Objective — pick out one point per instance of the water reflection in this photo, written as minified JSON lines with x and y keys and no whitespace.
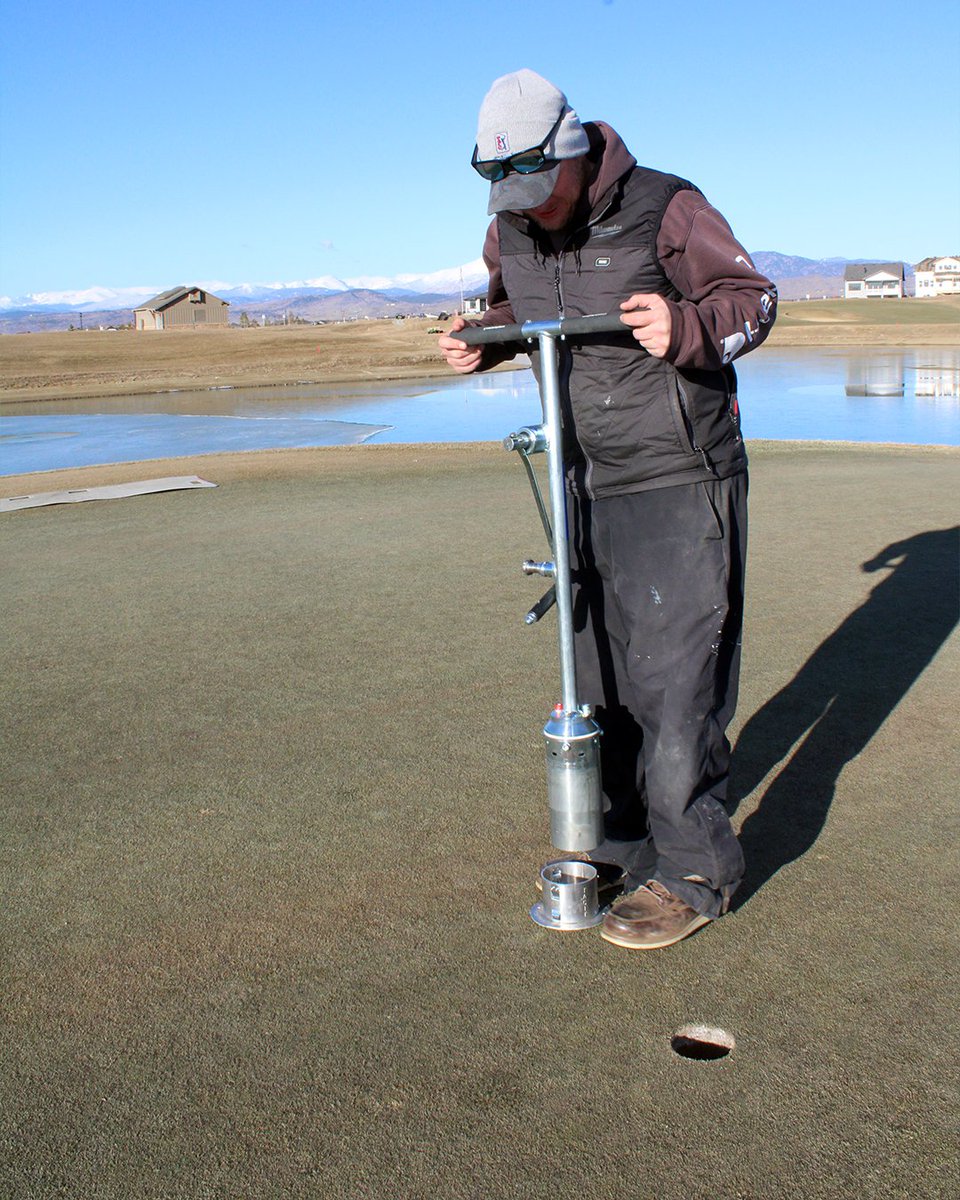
{"x":879,"y":377}
{"x":885,"y":374}
{"x":939,"y":380}
{"x":811,"y":394}
{"x":818,"y":395}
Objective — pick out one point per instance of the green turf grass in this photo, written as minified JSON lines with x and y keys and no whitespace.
{"x":273,"y":807}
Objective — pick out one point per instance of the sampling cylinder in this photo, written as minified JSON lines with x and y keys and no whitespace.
{"x":573,"y":780}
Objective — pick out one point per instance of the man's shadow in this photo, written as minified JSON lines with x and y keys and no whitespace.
{"x":840,"y":698}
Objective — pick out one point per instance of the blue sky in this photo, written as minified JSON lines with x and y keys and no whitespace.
{"x":237,"y":141}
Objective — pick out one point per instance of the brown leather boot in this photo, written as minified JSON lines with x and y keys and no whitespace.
{"x":649,"y":918}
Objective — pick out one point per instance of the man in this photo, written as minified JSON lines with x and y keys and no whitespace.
{"x":656,"y":471}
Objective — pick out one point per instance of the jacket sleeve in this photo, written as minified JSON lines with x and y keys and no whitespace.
{"x":727,"y":306}
{"x":498,"y":310}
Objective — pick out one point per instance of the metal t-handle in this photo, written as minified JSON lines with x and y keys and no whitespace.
{"x":479,"y":335}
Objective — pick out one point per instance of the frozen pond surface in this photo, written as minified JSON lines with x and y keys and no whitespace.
{"x":906,"y":396}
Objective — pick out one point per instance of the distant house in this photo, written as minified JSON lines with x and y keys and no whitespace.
{"x":938,"y":276}
{"x":474,"y":306}
{"x":181,"y":307}
{"x":867,"y":281}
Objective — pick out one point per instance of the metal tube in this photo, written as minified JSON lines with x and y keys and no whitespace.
{"x":535,"y":487}
{"x":550,"y":391}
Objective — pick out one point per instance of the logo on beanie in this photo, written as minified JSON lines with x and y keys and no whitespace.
{"x":502,"y":143}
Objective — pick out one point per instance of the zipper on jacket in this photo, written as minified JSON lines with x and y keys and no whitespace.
{"x":732,"y":414}
{"x":688,"y":425}
{"x":561,"y":253}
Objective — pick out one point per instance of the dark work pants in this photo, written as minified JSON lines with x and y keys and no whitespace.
{"x":658,"y":612}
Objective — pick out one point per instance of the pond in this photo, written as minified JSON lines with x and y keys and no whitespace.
{"x":905,"y":396}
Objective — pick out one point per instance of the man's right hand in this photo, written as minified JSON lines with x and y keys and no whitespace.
{"x":459,"y":355}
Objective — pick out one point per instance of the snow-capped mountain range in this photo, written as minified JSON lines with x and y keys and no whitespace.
{"x":330,"y":298}
{"x":471,"y":276}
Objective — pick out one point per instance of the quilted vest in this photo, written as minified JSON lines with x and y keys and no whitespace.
{"x":630,"y":421}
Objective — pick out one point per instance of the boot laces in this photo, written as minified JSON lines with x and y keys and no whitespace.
{"x":656,"y":888}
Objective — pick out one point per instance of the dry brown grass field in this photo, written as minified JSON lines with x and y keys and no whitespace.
{"x":46,"y":366}
{"x":52,"y":365}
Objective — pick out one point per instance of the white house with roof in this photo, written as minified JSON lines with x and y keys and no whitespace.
{"x":868,"y":281}
{"x":938,"y":276}
{"x":474,"y":306}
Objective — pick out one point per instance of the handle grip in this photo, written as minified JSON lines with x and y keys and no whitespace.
{"x":596,"y":323}
{"x":543,"y":605}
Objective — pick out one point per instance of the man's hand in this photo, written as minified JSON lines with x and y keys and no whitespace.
{"x":651,"y":320}
{"x":459,"y":355}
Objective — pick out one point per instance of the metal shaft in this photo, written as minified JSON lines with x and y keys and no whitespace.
{"x":550,"y":394}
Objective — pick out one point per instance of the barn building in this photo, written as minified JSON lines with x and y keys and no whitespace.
{"x":181,"y":308}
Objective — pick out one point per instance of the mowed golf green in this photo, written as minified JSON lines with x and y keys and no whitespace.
{"x":274,"y":805}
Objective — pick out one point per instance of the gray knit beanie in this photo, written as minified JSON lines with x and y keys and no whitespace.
{"x":517,"y":114}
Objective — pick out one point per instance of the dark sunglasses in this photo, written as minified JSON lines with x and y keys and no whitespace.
{"x":524,"y":162}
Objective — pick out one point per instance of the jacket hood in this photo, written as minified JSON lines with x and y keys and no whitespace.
{"x":615,"y":160}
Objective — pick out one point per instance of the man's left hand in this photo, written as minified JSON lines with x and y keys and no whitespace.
{"x":651,"y":320}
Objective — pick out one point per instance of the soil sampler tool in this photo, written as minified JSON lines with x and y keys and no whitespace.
{"x":568,"y":888}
